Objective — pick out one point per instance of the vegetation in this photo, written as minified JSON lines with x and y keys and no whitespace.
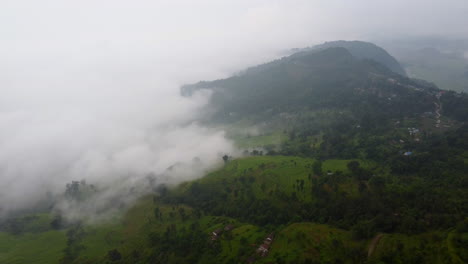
{"x":319,"y":212}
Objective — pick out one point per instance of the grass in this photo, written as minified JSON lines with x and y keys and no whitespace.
{"x":428,"y":247}
{"x":39,"y":248}
{"x":248,"y":134}
{"x":253,"y":141}
{"x":452,"y":249}
{"x":273,"y":174}
{"x":100,"y":239}
{"x":308,"y":241}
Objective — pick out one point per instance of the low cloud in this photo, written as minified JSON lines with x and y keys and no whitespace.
{"x":114,"y":144}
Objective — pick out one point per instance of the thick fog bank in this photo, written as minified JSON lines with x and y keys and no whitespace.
{"x":113,"y":138}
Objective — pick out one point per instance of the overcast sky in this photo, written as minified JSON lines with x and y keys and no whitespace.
{"x":89,"y":88}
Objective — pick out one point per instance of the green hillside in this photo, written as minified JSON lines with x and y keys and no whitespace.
{"x":257,"y":196}
{"x":328,"y":79}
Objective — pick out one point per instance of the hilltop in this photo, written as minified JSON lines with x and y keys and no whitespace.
{"x":366,"y":50}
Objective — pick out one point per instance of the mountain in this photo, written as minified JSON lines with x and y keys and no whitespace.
{"x":313,"y":79}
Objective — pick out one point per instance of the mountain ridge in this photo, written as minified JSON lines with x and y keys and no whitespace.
{"x":306,"y":79}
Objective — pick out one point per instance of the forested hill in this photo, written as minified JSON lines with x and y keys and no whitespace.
{"x":316,"y":79}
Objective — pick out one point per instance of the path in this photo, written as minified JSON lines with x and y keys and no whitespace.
{"x":373,"y":244}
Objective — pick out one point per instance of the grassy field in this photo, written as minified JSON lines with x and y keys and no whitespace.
{"x":302,"y":242}
{"x":39,"y":248}
{"x":262,"y":140}
{"x":422,"y":248}
{"x":273,"y":174}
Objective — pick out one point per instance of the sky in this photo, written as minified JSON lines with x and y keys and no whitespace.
{"x":90,"y":89}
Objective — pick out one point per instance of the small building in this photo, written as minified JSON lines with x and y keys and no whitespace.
{"x":215,"y":234}
{"x":269,"y":238}
{"x":229,"y":227}
{"x":263,"y":250}
{"x":413,"y":131}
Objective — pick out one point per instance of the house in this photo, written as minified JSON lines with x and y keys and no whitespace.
{"x":229,"y":227}
{"x":215,"y":234}
{"x":263,"y":250}
{"x":269,"y":238}
{"x":413,"y":131}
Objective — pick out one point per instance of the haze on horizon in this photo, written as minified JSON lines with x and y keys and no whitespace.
{"x":90,"y":89}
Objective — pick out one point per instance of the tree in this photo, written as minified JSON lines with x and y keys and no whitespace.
{"x":157,"y":213}
{"x":114,"y":255}
{"x":182,"y":214}
{"x":317,"y":167}
{"x":57,"y":222}
{"x":377,"y":183}
{"x":363,"y":230}
{"x":354,"y":166}
{"x":225,"y":158}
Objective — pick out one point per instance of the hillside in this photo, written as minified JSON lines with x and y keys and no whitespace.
{"x":308,"y":210}
{"x":328,"y":103}
{"x":310,"y":80}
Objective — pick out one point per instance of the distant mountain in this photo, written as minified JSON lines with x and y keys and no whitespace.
{"x":438,"y":60}
{"x":315,"y":79}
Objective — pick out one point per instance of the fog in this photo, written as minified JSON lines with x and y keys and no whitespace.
{"x":90,"y":89}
